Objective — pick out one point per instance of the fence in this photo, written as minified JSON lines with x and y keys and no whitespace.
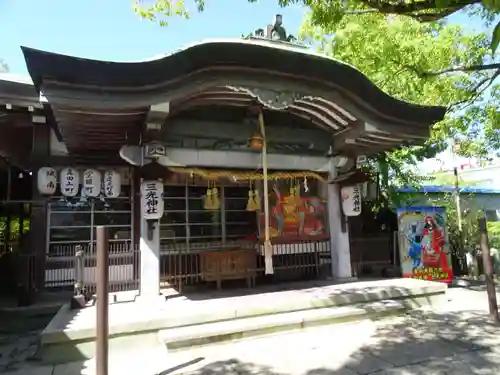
{"x":179,"y":264}
{"x":61,"y":266}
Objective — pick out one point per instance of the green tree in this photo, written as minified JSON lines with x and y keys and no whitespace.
{"x":395,"y":54}
{"x":328,"y":13}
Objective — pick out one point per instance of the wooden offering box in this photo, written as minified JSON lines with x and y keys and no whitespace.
{"x":229,"y":265}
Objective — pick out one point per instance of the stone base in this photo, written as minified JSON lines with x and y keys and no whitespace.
{"x":70,"y":335}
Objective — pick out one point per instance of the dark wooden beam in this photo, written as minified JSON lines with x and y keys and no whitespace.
{"x":242,"y":131}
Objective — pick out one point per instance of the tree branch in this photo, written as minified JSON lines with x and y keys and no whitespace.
{"x":471,"y":68}
{"x":414,"y":8}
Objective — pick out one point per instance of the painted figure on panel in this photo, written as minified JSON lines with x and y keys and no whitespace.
{"x":423,"y":245}
{"x":433,"y":244}
{"x":296,"y":217}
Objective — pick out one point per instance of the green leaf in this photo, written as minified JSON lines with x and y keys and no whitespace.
{"x":495,"y":39}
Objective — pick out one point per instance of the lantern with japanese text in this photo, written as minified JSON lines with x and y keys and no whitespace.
{"x":351,"y":200}
{"x":91,"y":183}
{"x":152,"y":200}
{"x":70,"y":181}
{"x":112,"y":184}
{"x":47,"y":181}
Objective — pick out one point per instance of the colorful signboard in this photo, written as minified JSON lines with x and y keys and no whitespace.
{"x":423,"y":243}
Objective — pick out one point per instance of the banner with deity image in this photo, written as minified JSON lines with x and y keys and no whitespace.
{"x":297,"y":212}
{"x":423,"y":243}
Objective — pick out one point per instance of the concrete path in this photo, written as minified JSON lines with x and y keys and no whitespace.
{"x":453,"y":339}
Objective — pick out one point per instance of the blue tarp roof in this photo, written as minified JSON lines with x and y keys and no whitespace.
{"x":449,"y":189}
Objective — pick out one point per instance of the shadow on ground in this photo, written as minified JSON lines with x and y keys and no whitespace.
{"x":419,"y":343}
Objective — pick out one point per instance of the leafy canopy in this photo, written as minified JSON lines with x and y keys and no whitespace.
{"x":328,"y":13}
{"x":411,"y":61}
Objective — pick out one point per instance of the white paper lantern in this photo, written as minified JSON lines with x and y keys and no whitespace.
{"x":91,"y":183}
{"x":112,"y":184}
{"x":70,"y":182}
{"x":152,"y":200}
{"x":47,"y":180}
{"x":351,"y":200}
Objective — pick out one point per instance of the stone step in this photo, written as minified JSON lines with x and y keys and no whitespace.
{"x":210,"y":333}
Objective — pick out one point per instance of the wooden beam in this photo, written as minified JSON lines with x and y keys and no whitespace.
{"x":244,"y":160}
{"x":241,"y":131}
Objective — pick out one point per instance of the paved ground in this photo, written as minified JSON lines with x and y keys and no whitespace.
{"x":454,"y":339}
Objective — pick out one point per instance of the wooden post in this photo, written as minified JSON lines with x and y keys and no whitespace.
{"x":102,"y":301}
{"x":488,"y":270}
{"x":268,"y":249}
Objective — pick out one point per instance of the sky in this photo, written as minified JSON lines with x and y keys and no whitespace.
{"x":110,"y":30}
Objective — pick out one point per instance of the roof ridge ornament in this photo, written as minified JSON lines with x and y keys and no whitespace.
{"x":275,"y":33}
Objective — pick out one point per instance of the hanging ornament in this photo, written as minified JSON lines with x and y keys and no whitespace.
{"x":256,"y":199}
{"x":250,"y":202}
{"x":207,"y":200}
{"x":46,"y":181}
{"x":70,"y":182}
{"x":306,"y":186}
{"x":112,"y":184}
{"x":215,"y":199}
{"x":351,"y":200}
{"x":91,"y":183}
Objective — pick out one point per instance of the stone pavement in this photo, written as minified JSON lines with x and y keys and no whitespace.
{"x":454,"y":339}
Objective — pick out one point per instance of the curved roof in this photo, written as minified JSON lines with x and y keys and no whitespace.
{"x":93,"y":98}
{"x":227,"y":62}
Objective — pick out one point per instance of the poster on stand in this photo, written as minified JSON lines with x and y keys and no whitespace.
{"x":423,"y":244}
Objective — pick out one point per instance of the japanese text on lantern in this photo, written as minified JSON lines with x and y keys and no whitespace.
{"x":356,"y":199}
{"x":108,"y":183}
{"x":69,"y":182}
{"x":92,"y":182}
{"x":151,"y":199}
{"x":47,"y":180}
{"x":50,"y":179}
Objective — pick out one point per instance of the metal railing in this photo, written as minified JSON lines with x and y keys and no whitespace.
{"x":73,"y":266}
{"x":70,"y":266}
{"x":180,"y":263}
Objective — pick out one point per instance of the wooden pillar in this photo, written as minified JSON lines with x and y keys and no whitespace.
{"x":38,"y":234}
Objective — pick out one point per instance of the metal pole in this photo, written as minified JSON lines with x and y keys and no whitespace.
{"x":488,"y":270}
{"x":102,"y":301}
{"x":457,"y":201}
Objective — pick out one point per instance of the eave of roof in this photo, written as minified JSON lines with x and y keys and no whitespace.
{"x":17,"y":88}
{"x":210,"y":63}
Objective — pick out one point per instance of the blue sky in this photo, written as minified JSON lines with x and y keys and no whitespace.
{"x":109,"y":30}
